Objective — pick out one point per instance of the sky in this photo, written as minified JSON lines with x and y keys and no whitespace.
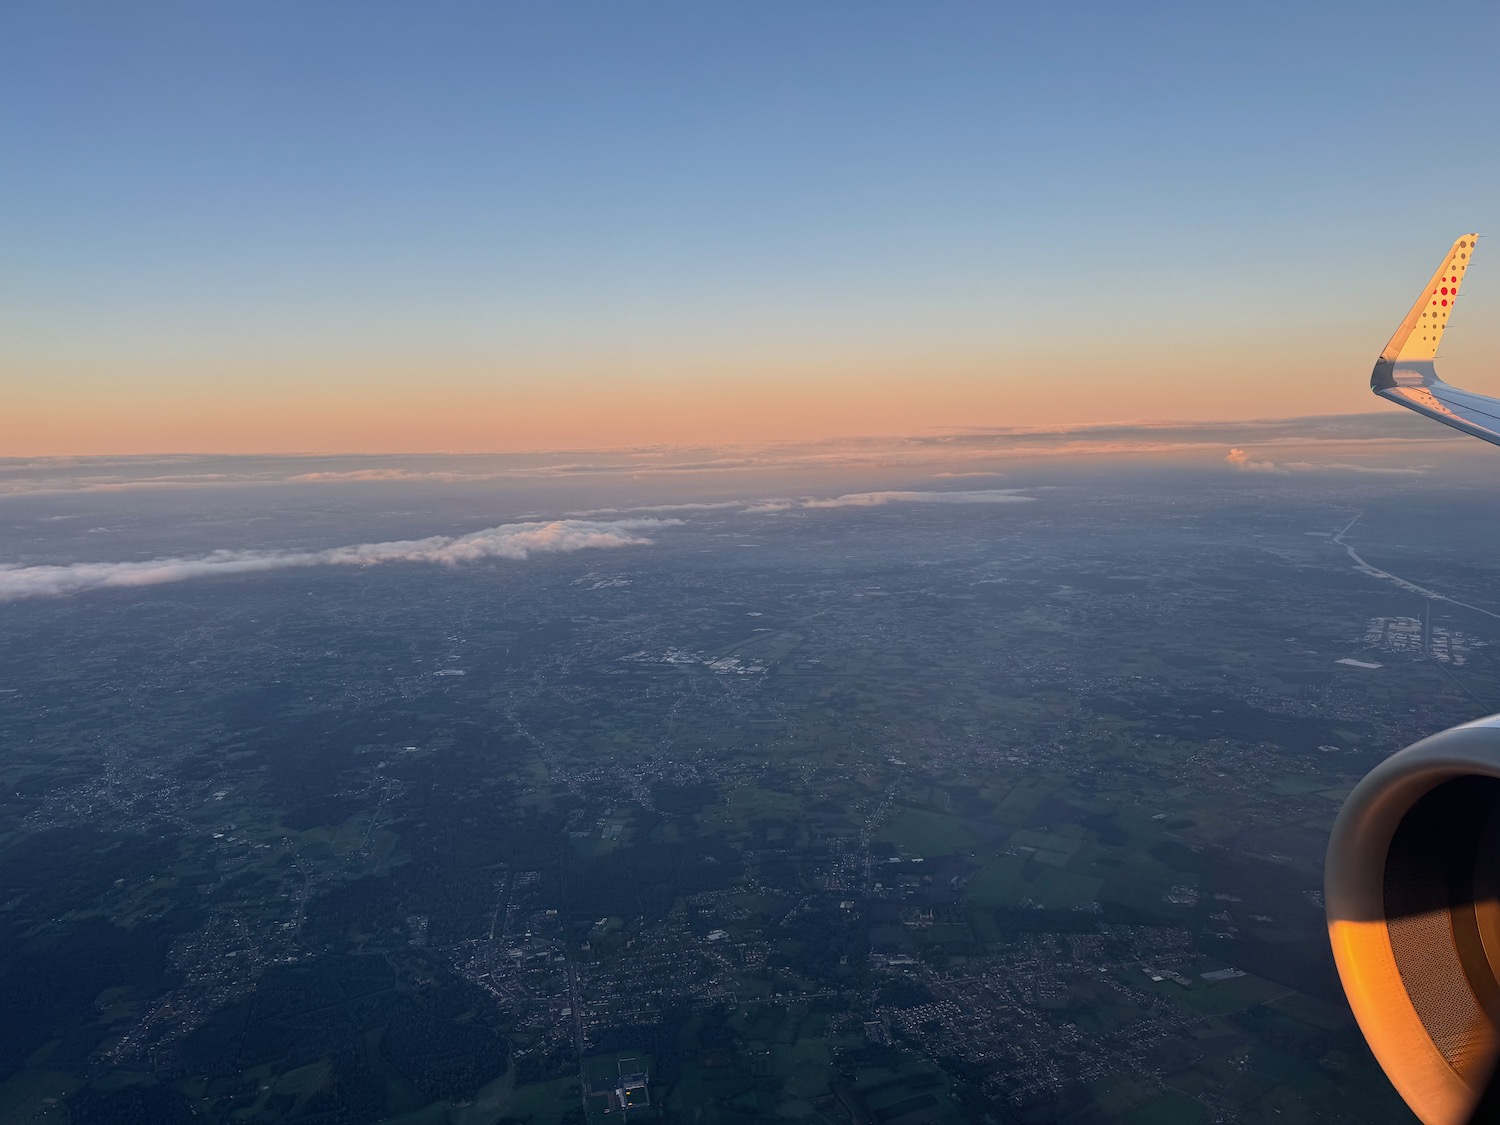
{"x":378,"y":227}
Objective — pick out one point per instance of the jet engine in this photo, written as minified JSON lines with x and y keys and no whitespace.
{"x":1412,"y":887}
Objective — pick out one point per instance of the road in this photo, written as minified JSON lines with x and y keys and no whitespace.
{"x":577,"y":999}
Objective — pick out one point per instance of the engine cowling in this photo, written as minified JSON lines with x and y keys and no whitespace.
{"x":1412,"y":888}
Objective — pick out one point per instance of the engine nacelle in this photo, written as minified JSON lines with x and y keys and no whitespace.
{"x":1412,"y":886}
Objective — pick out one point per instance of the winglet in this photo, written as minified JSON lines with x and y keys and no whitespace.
{"x":1418,"y":336}
{"x":1405,"y":374}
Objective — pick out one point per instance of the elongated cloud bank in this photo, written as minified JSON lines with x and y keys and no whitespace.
{"x":871,"y":499}
{"x":848,"y":500}
{"x":875,"y":499}
{"x":947,"y":453}
{"x":1242,"y":461}
{"x":508,"y":541}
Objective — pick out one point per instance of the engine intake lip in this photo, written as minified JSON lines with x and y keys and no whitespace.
{"x":1412,"y":890}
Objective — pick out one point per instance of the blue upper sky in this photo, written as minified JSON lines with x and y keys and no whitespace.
{"x":226,"y":191}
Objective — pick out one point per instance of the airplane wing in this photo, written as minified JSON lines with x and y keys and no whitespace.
{"x":1413,"y":901}
{"x":1404,"y":373}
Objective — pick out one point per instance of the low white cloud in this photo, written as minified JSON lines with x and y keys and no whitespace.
{"x":762,"y":507}
{"x":773,"y":504}
{"x":873,"y":499}
{"x":692,"y":506}
{"x":1348,"y":467}
{"x":356,"y":476}
{"x":113,"y":484}
{"x":876,"y":499}
{"x":1241,"y":460}
{"x":508,"y":541}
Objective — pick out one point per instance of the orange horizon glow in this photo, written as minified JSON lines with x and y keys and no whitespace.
{"x":519,"y":229}
{"x":395,"y":411}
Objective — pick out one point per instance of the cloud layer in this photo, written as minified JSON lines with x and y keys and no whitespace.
{"x":953,"y":453}
{"x":1242,"y":461}
{"x":876,"y":499}
{"x":848,"y":500}
{"x":508,"y":541}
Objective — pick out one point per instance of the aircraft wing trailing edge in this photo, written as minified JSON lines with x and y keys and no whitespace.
{"x":1404,"y":373}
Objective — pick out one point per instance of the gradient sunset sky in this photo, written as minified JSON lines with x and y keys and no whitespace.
{"x":273,"y":227}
